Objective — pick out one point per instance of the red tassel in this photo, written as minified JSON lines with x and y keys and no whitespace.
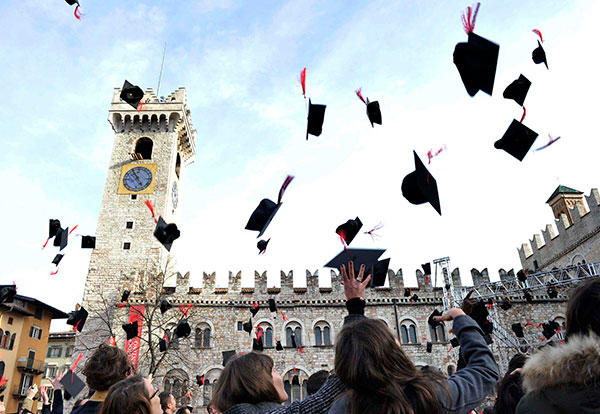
{"x":285,"y":319}
{"x":55,"y":272}
{"x":185,"y":309}
{"x":2,"y":381}
{"x":259,"y":332}
{"x":537,"y":32}
{"x":285,"y":184}
{"x":122,"y":305}
{"x":450,"y":350}
{"x":303,"y":82}
{"x":300,"y":349}
{"x":359,"y":94}
{"x":294,"y":370}
{"x":468,"y":20}
{"x":76,"y":362}
{"x":528,"y":324}
{"x":77,"y":225}
{"x":540,"y":325}
{"x":149,"y":204}
{"x":524,"y":112}
{"x":112,"y":341}
{"x":427,"y":278}
{"x":77,"y":13}
{"x":47,"y":240}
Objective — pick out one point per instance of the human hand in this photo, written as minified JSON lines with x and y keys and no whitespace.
{"x":31,"y":391}
{"x":188,"y":394}
{"x":451,"y":314}
{"x":353,"y":287}
{"x":44,"y":394}
{"x":2,"y":408}
{"x":516,"y":371}
{"x":56,"y":381}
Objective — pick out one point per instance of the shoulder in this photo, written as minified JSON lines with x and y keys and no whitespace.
{"x":90,"y":407}
{"x":339,"y":406}
{"x":533,"y":403}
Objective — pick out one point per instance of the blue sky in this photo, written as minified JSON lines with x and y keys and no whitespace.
{"x":240,"y":62}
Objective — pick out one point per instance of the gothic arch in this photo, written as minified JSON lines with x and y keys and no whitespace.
{"x":578,"y":258}
{"x":305,"y":338}
{"x":143,"y":146}
{"x":322,"y":322}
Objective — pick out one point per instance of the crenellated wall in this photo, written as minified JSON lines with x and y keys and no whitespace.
{"x":573,"y":244}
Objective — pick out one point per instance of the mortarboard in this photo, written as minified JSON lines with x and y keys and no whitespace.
{"x":257,"y":344}
{"x":166,"y":233}
{"x":406,"y":292}
{"x":72,"y":383}
{"x":183,"y":329}
{"x":272,"y":305}
{"x":255,"y":308}
{"x":131,"y":330}
{"x":247,"y":326}
{"x":262,"y":245}
{"x":429,"y":347}
{"x":164,"y":306}
{"x":476,"y":62}
{"x":7,"y":293}
{"x":295,"y":380}
{"x":426,"y":268}
{"x":316,"y":116}
{"x":414,"y":298}
{"x":433,"y":323}
{"x":539,"y":55}
{"x":88,"y":242}
{"x":57,"y":259}
{"x":77,"y":318}
{"x":552,"y":292}
{"x":373,"y":112}
{"x":162,"y":345}
{"x":278,"y":346}
{"x":528,"y":296}
{"x":420,"y":187}
{"x":263,"y":214}
{"x":517,"y":140}
{"x":125,"y":295}
{"x":521,"y":276}
{"x":62,"y":238}
{"x":358,"y":256}
{"x":505,"y":305}
{"x":517,"y":329}
{"x":227,"y":356}
{"x":378,"y":272}
{"x":200,"y":380}
{"x":131,"y":94}
{"x":517,"y":90}
{"x":349,"y":230}
{"x":549,"y":329}
{"x":454,"y":342}
{"x":53,"y":228}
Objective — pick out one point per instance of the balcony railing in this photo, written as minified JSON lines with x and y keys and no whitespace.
{"x":30,"y":365}
{"x":19,"y":392}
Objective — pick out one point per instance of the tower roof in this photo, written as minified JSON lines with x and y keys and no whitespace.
{"x":563,"y":189}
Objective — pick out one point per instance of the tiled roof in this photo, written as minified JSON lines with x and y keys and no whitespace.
{"x":563,"y":189}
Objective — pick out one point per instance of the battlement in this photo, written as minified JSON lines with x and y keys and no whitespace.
{"x":157,"y":114}
{"x":571,"y":244}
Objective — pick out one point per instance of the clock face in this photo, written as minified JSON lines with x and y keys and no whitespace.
{"x":137,"y":178}
{"x":175,"y":195}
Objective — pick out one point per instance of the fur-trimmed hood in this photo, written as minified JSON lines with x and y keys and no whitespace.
{"x":576,"y":362}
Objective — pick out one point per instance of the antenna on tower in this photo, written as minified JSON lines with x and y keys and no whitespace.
{"x":161,"y":69}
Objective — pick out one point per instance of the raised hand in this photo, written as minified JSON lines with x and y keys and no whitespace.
{"x":56,"y":381}
{"x":353,"y":287}
{"x":44,"y":394}
{"x":451,"y":314}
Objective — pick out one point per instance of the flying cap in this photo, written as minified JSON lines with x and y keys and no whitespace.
{"x":406,"y":292}
{"x":378,"y":272}
{"x":162,"y":345}
{"x":7,"y":293}
{"x":57,"y":259}
{"x":295,"y":380}
{"x":77,"y":318}
{"x":429,"y":347}
{"x":426,"y":268}
{"x":278,"y":346}
{"x":539,"y":55}
{"x":165,"y":233}
{"x":247,"y":326}
{"x":125,"y":295}
{"x":316,"y":116}
{"x":517,"y":140}
{"x":521,"y":276}
{"x":88,"y":242}
{"x":414,"y":297}
{"x":517,"y":90}
{"x":373,"y":112}
{"x":433,"y":323}
{"x":71,"y":2}
{"x":131,"y":329}
{"x":476,"y":62}
{"x":517,"y":329}
{"x":200,"y":380}
{"x":349,"y":230}
{"x":131,"y":94}
{"x":53,"y":227}
{"x":549,"y":329}
{"x":72,"y":383}
{"x":528,"y":296}
{"x":506,"y":305}
{"x":420,"y":187}
{"x":272,"y":305}
{"x":257,"y":344}
{"x":454,"y":342}
{"x":227,"y":355}
{"x":254,"y":308}
{"x":262,"y":245}
{"x":183,"y":329}
{"x":263,"y":214}
{"x":164,"y":306}
{"x":358,"y":256}
{"x":62,"y":238}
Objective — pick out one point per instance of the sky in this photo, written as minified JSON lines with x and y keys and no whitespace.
{"x":240,"y":62}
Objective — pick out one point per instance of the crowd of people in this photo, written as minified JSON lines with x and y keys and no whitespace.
{"x":373,"y":374}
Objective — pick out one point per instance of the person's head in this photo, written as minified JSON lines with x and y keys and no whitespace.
{"x":107,"y":366}
{"x":167,"y":402}
{"x":249,"y":378}
{"x":582,"y":311}
{"x":517,"y":361}
{"x":377,"y":372}
{"x":315,"y":381}
{"x":183,"y":410}
{"x":133,"y":395}
{"x":510,"y":392}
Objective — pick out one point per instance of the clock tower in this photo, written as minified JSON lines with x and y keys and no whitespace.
{"x":150,"y":150}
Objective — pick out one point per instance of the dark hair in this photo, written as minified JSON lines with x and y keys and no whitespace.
{"x":379,"y":376}
{"x":510,"y":392}
{"x":181,"y":410}
{"x":582,"y":314}
{"x":517,"y":361}
{"x":164,"y":396}
{"x":107,"y":366}
{"x":128,"y":396}
{"x":316,"y":381}
{"x":245,"y":379}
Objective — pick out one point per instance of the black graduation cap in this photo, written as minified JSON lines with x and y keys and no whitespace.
{"x":358,"y":256}
{"x":7,"y":293}
{"x":420,"y":187}
{"x":72,"y":2}
{"x":164,"y":306}
{"x":72,"y":383}
{"x":552,"y":292}
{"x":162,"y":345}
{"x":454,"y":342}
{"x":131,"y":94}
{"x":88,"y":242}
{"x":183,"y":329}
{"x":426,"y":268}
{"x":316,"y":116}
{"x":278,"y":346}
{"x":378,"y":272}
{"x":549,"y":329}
{"x":373,"y":112}
{"x":261,"y":217}
{"x":539,"y":55}
{"x":262,"y":245}
{"x":53,"y":227}
{"x":528,"y":296}
{"x":349,"y":230}
{"x":200,"y":380}
{"x":131,"y":329}
{"x":517,"y":90}
{"x":517,"y":140}
{"x":517,"y":329}
{"x":414,"y":297}
{"x":125,"y":295}
{"x":77,"y":318}
{"x":166,"y":233}
{"x":476,"y":62}
{"x":272,"y":305}
{"x":429,"y":347}
{"x":521,"y":276}
{"x":62,"y":238}
{"x":295,"y":380}
{"x":433,"y":323}
{"x":254,"y":308}
{"x":406,"y":292}
{"x":257,"y":344}
{"x":227,"y":356}
{"x":57,"y":259}
{"x":247,"y":326}
{"x":505,"y":304}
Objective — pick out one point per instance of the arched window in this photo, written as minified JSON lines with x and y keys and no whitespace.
{"x":318,"y":336}
{"x":206,"y":340}
{"x":408,"y":332}
{"x":178,"y":165}
{"x":202,"y":337}
{"x":322,"y":333}
{"x":176,"y":390}
{"x":326,"y":335}
{"x":267,"y":334}
{"x":296,"y":391}
{"x":293,"y":327}
{"x":438,"y":334}
{"x":206,"y":392}
{"x":178,"y":380}
{"x":211,"y":379}
{"x":143,"y":146}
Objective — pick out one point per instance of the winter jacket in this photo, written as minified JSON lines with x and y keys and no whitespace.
{"x":563,"y":379}
{"x":468,"y":387}
{"x":90,"y":407}
{"x":57,"y":404}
